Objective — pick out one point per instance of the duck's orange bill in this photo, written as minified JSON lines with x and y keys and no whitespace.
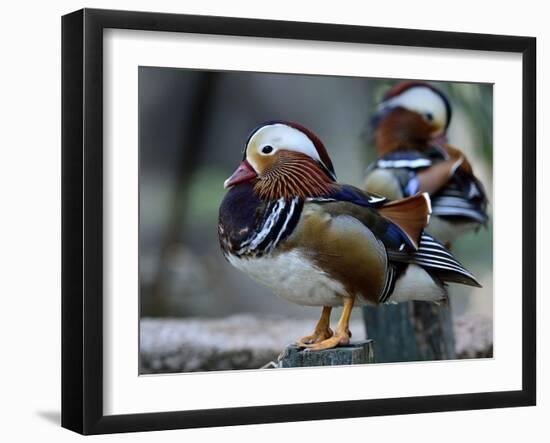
{"x":243,"y":173}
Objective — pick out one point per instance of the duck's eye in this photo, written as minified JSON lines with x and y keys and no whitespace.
{"x":429,"y":116}
{"x":267,"y":149}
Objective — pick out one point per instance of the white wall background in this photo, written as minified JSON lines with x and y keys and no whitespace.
{"x":30,"y":222}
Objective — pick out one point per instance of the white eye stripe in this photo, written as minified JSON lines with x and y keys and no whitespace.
{"x":422,"y":100}
{"x":280,"y":135}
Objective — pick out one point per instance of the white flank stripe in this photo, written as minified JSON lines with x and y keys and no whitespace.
{"x":376,"y":199}
{"x":270,"y":222}
{"x":254,"y":240}
{"x":288,"y":217}
{"x":418,"y":163}
{"x":453,"y":202}
{"x":476,"y":215}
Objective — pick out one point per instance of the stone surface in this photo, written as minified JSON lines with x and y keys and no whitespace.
{"x":355,"y":353}
{"x":236,"y":342}
{"x":474,"y":336}
{"x":252,"y":341}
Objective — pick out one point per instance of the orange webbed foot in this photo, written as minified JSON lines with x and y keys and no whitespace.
{"x":338,"y":339}
{"x":342,"y":335}
{"x":316,"y":337}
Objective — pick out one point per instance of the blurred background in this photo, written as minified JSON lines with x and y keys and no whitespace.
{"x":192,"y":130}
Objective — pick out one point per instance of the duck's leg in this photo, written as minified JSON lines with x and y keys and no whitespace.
{"x":342,"y":333}
{"x":322,"y":330}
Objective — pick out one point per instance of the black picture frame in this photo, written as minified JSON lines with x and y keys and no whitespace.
{"x":82,"y":220}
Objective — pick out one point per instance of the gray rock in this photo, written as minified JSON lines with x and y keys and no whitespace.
{"x":235,"y":342}
{"x":251,"y":341}
{"x":473,"y":336}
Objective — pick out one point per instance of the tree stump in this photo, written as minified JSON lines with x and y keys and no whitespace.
{"x":414,"y":331}
{"x":360,"y":352}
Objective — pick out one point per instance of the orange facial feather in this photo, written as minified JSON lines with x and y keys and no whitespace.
{"x":402,"y":129}
{"x":292,"y":174}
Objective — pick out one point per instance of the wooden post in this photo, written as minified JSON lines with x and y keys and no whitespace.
{"x":411,"y":331}
{"x":360,"y":352}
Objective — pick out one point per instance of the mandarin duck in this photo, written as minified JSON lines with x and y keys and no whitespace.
{"x":287,"y":223}
{"x":410,"y":129}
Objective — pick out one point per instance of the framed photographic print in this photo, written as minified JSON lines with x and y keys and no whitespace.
{"x":254,"y":207}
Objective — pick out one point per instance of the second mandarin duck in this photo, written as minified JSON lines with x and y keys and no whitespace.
{"x":410,"y":128}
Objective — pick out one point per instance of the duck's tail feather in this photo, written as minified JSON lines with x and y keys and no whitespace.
{"x":434,"y":257}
